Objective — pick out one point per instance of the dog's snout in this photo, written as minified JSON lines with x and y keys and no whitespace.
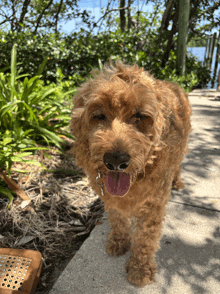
{"x":118,"y":160}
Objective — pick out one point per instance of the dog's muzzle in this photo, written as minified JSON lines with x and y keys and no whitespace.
{"x":117,"y":160}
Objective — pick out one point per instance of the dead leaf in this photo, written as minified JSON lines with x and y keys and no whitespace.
{"x":25,"y":203}
{"x":14,"y":187}
{"x":25,"y":240}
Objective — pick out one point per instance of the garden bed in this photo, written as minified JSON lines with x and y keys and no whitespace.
{"x":61,"y":215}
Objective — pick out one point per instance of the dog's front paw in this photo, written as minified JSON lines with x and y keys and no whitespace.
{"x":177,"y":184}
{"x":117,"y":246}
{"x":139,"y":274}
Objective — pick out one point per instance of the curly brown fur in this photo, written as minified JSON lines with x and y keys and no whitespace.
{"x":126,"y":121}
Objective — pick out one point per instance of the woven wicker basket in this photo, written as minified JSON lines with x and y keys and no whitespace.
{"x":19,"y":270}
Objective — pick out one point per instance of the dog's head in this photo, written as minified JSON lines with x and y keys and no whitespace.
{"x":118,"y":121}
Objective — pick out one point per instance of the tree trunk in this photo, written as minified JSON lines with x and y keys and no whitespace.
{"x":183,"y":21}
{"x":122,"y":15}
{"x":129,"y":14}
{"x":170,"y":14}
{"x":167,"y":15}
{"x":170,"y":35}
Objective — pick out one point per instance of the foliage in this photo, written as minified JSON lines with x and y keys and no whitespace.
{"x":38,"y":15}
{"x":6,"y":193}
{"x":110,"y":19}
{"x":62,"y":50}
{"x":201,"y":41}
{"x":72,"y":57}
{"x":203,"y":17}
{"x":29,"y":115}
{"x":197,"y":42}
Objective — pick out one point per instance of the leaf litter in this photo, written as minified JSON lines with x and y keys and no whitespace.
{"x":61,"y":215}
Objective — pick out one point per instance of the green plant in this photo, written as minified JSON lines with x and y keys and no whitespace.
{"x":6,"y":193}
{"x":15,"y":146}
{"x":32,"y":106}
{"x":30,"y":117}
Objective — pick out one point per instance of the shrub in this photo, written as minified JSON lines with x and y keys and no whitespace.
{"x":74,"y":56}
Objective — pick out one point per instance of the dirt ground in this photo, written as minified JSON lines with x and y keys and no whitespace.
{"x":62,"y":213}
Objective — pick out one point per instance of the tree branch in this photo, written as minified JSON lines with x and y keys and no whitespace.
{"x":41,"y":15}
{"x":4,"y":21}
{"x":13,"y":15}
{"x":166,"y":14}
{"x":107,"y":12}
{"x":57,"y":14}
{"x":170,"y":39}
{"x":154,"y":17}
{"x":107,"y":8}
{"x":23,"y":12}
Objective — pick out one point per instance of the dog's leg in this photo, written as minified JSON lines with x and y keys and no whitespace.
{"x":177,"y":181}
{"x":141,"y":267}
{"x":119,"y":237}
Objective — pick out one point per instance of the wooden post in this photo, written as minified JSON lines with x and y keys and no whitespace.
{"x":218,"y":88}
{"x":212,"y":50}
{"x":206,"y":51}
{"x":216,"y":58}
{"x":183,"y":22}
{"x":209,"y":51}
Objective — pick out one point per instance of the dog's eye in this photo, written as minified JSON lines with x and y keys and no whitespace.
{"x":99,"y":117}
{"x":138,"y":116}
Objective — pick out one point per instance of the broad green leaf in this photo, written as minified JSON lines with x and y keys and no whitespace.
{"x":68,"y":93}
{"x":4,"y":192}
{"x":23,"y":154}
{"x":29,"y":86}
{"x":34,"y":162}
{"x":63,"y":117}
{"x":21,"y":76}
{"x":24,"y":134}
{"x":42,"y":66}
{"x":51,"y":136}
{"x":8,"y":108}
{"x":7,"y":140}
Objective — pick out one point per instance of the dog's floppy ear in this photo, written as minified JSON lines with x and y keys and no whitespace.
{"x":159,"y":124}
{"x":77,"y":128}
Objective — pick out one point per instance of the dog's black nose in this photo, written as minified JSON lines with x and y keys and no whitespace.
{"x":118,"y":160}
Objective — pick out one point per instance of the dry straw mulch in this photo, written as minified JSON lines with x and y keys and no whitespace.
{"x":62,"y":213}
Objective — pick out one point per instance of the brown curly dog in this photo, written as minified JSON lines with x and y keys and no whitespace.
{"x":131,"y":135}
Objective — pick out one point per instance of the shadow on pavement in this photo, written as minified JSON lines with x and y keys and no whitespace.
{"x":196,"y":266}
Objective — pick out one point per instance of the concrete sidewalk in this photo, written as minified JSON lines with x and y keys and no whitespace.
{"x":189,"y":256}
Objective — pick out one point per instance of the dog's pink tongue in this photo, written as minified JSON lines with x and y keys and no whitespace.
{"x":117,"y":183}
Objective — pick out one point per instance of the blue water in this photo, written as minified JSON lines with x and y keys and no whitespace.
{"x":199,"y":52}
